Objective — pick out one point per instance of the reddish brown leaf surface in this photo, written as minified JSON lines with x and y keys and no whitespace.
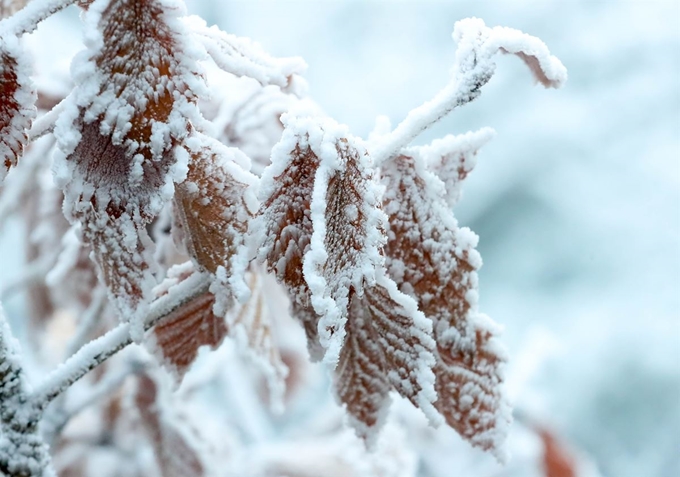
{"x":435,"y":261}
{"x":557,"y":460}
{"x":133,"y":97}
{"x":177,"y":339}
{"x":211,"y":205}
{"x":287,"y":228}
{"x":361,"y":382}
{"x":17,"y":108}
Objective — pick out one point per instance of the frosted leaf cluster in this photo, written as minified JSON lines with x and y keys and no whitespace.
{"x":177,"y":240}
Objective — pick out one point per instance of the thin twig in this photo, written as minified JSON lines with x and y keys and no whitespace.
{"x":27,"y":19}
{"x":97,"y":351}
{"x":45,"y":123}
{"x":59,"y":418}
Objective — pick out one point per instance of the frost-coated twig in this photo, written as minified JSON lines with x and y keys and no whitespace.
{"x":45,"y":123}
{"x":57,"y":419}
{"x":472,"y":69}
{"x":27,"y":19}
{"x":97,"y":351}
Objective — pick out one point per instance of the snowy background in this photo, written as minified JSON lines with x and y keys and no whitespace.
{"x":576,"y":201}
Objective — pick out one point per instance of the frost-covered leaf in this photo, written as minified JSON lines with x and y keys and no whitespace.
{"x":135,"y":88}
{"x":435,"y":261}
{"x":17,"y":102}
{"x":177,"y":339}
{"x":214,"y":205}
{"x":177,"y":452}
{"x":243,"y":57}
{"x":404,"y":335}
{"x":453,"y":157}
{"x":284,"y":224}
{"x":347,"y":229}
{"x":361,"y":382}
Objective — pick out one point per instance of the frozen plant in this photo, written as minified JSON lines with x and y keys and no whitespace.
{"x":171,"y":239}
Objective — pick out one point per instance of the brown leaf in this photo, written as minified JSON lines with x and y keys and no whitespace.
{"x":134,"y":93}
{"x":17,"y":103}
{"x":361,"y":382}
{"x":558,"y":461}
{"x":177,"y":339}
{"x":286,"y":226}
{"x":213,"y":208}
{"x":435,"y":261}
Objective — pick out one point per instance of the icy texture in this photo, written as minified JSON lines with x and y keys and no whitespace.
{"x":177,"y":339}
{"x":283,"y":226}
{"x":22,"y":451}
{"x":244,"y":57}
{"x":17,"y":102}
{"x":435,"y":261}
{"x":214,"y":205}
{"x":135,"y":88}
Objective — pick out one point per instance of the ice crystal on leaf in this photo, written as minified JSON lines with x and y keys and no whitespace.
{"x":360,"y":235}
{"x":435,"y":261}
{"x":178,"y":338}
{"x":17,"y":102}
{"x":135,"y":86}
{"x":214,"y":205}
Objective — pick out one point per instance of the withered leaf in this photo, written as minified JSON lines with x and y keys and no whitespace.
{"x":17,"y":103}
{"x":177,"y":339}
{"x":214,"y":206}
{"x":434,"y":260}
{"x":135,"y":89}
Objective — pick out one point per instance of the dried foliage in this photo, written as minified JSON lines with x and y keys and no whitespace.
{"x":359,"y":235}
{"x":17,"y":102}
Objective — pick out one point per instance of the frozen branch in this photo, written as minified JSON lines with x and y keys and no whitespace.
{"x":472,"y":69}
{"x":27,"y":19}
{"x":97,"y":351}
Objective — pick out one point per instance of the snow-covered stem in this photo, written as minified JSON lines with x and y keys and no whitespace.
{"x":27,"y":19}
{"x":55,"y":422}
{"x":97,"y":351}
{"x":472,"y":69}
{"x":45,"y":123}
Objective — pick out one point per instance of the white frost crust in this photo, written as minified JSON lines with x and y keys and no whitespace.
{"x":104,"y":96}
{"x":452,"y":158}
{"x":329,"y":140}
{"x":472,"y":68}
{"x":243,"y":57}
{"x":14,"y":135}
{"x":421,"y":330}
